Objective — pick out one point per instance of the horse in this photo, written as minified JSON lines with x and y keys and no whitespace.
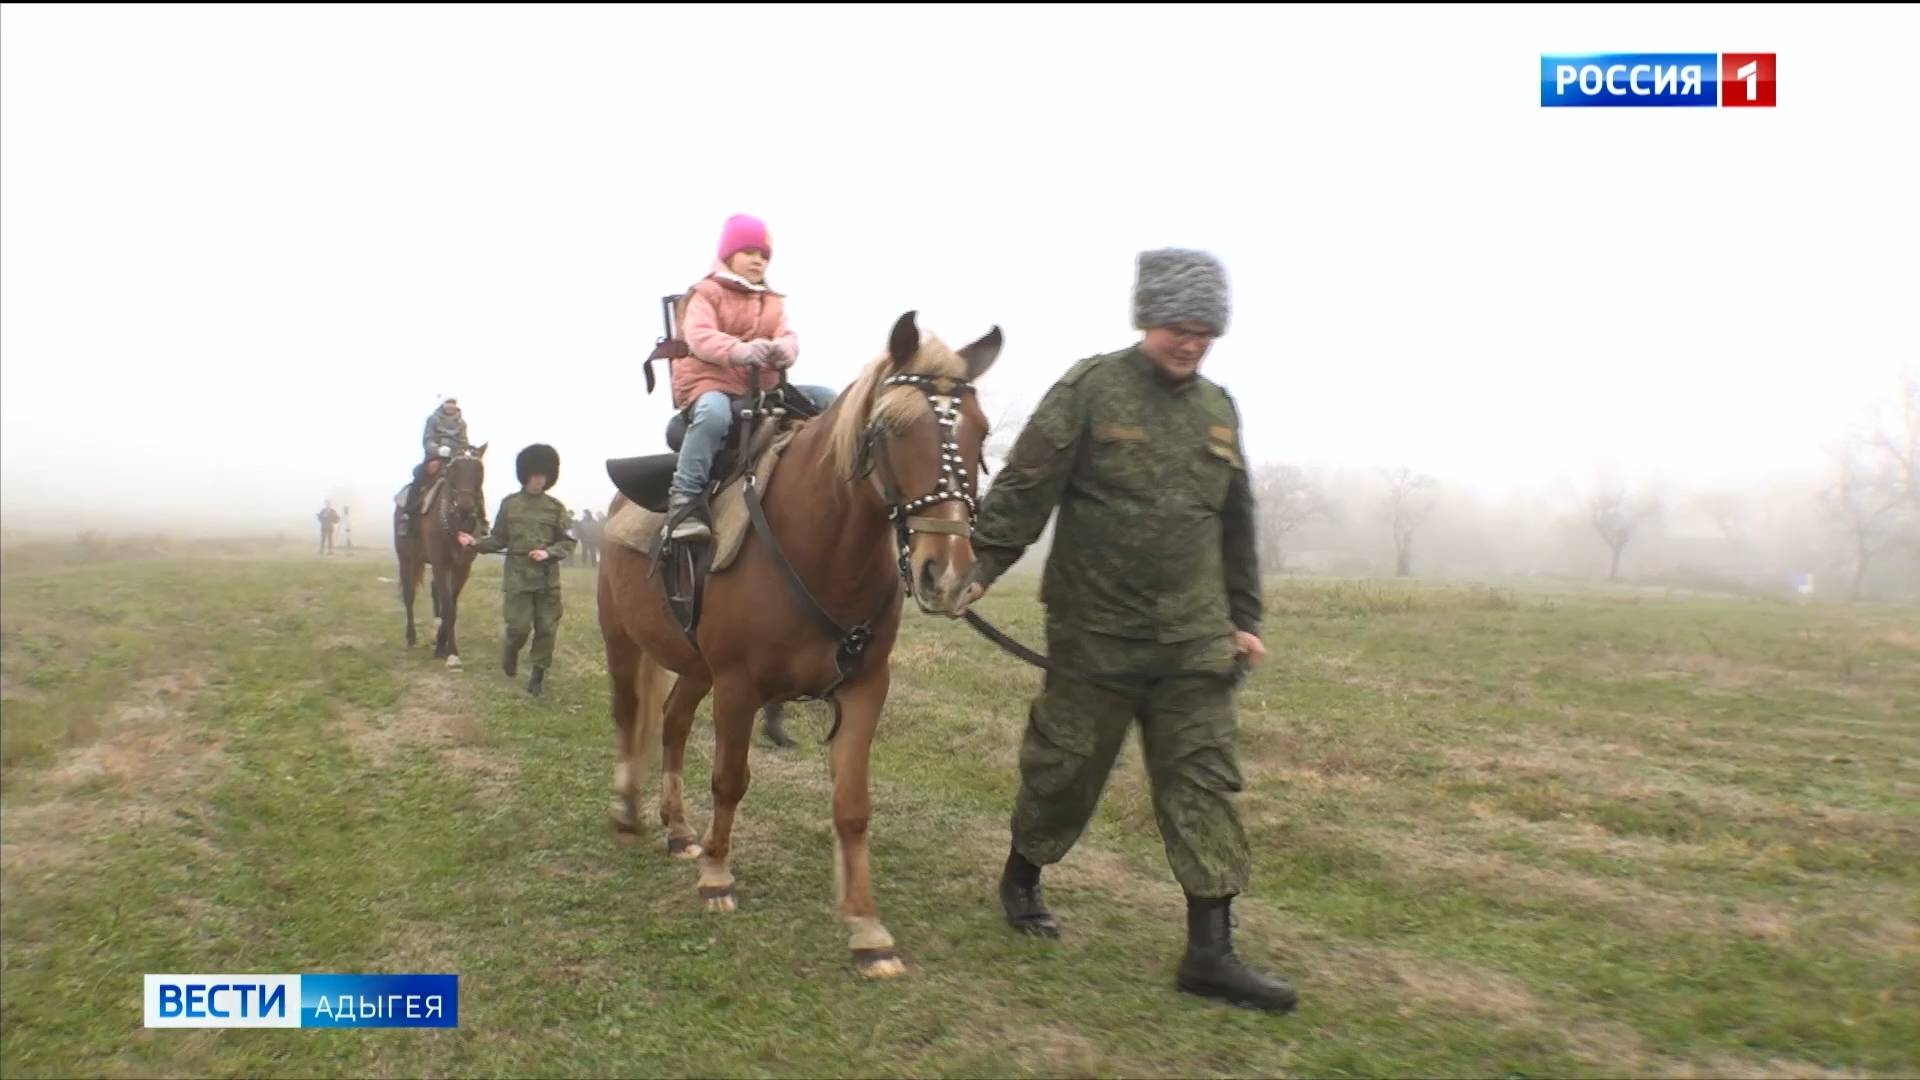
{"x":457,"y":509}
{"x":876,"y":492}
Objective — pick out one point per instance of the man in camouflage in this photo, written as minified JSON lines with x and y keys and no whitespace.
{"x":1152,"y":590}
{"x":535,"y":531}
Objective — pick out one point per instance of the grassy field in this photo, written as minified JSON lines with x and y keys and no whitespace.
{"x":1496,"y":833}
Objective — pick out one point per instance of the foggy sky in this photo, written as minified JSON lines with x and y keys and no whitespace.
{"x":242,"y":252}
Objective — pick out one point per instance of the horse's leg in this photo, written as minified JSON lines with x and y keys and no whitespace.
{"x":867,"y":938}
{"x":440,"y":576}
{"x":681,"y":705}
{"x":636,"y":707}
{"x":734,"y":705}
{"x":456,"y":581}
{"x":409,"y":582}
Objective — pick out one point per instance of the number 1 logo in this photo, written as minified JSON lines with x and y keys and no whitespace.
{"x":1746,"y":80}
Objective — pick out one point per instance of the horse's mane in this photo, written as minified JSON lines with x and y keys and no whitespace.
{"x":894,"y":407}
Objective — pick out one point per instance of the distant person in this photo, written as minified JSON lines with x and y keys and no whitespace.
{"x":1153,"y":606}
{"x":535,"y":531}
{"x":584,"y":530}
{"x":328,"y":519}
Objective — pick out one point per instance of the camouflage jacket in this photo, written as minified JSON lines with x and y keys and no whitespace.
{"x":443,"y":430}
{"x":1155,"y":539}
{"x":529,"y":523}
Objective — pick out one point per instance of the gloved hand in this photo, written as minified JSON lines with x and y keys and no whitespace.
{"x":751,"y":352}
{"x":781,"y":355}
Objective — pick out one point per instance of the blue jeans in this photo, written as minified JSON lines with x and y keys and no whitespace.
{"x":707,"y":431}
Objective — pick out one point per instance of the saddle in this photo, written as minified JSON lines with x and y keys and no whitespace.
{"x":764,"y":422}
{"x":426,"y":500}
{"x":643,"y":529}
{"x":644,"y":480}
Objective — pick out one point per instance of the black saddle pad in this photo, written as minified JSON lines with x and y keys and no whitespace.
{"x":645,"y":479}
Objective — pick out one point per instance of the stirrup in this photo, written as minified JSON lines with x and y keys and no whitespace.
{"x":690,"y":529}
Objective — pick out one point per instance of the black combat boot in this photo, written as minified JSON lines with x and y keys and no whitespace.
{"x":773,"y":725}
{"x":1020,"y":898}
{"x":536,"y":681}
{"x":510,"y":658}
{"x":1212,"y":970}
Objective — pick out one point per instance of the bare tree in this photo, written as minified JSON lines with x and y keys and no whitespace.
{"x":1408,"y":505}
{"x":1899,"y":443}
{"x":1864,"y":501}
{"x":1728,"y":510}
{"x":1002,"y":430}
{"x":1287,"y":498}
{"x":1617,"y":516}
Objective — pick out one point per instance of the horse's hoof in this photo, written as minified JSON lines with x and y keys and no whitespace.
{"x":719,"y":898}
{"x":681,"y":847}
{"x":453,"y":662}
{"x":878,"y":963}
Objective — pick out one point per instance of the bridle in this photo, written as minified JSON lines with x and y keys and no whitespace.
{"x":943,"y":393}
{"x":469,"y":516}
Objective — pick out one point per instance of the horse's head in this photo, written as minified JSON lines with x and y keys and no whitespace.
{"x":913,"y":425}
{"x":466,"y":479}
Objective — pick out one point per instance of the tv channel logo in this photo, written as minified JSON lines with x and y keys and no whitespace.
{"x":302,"y":1001}
{"x":1656,"y":80}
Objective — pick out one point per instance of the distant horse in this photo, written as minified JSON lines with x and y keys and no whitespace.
{"x":879,"y":488}
{"x":456,"y":509}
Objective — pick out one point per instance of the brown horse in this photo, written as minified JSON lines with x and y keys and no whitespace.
{"x":878,"y":488}
{"x":432,"y":543}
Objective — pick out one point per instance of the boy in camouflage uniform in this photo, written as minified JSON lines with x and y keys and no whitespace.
{"x":1153,"y":602}
{"x":535,"y":531}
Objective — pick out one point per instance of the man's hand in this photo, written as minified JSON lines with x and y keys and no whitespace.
{"x":466,"y":539}
{"x":1249,"y":646}
{"x":538,"y":554}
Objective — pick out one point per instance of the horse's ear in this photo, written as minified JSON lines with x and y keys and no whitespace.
{"x":981,"y":354}
{"x":482,"y":452}
{"x":904,"y":344}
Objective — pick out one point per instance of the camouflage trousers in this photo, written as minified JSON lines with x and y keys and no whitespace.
{"x":533,"y":612}
{"x":1182,"y":696}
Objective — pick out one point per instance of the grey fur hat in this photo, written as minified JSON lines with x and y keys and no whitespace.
{"x":1180,"y":285}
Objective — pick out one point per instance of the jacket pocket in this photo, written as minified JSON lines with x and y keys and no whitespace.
{"x":1216,"y":465}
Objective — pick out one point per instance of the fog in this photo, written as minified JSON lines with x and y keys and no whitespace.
{"x":243,"y":252}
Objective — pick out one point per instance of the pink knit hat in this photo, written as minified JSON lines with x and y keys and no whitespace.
{"x":742,"y":232}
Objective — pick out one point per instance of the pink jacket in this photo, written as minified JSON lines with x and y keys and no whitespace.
{"x":722,"y":315}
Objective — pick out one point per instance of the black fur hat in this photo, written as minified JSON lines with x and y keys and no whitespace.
{"x":538,"y":460}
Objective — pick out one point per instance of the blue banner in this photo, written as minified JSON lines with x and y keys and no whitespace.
{"x":1630,"y":79}
{"x":359,"y":1001}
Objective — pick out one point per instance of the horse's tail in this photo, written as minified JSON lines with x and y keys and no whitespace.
{"x":651,"y":684}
